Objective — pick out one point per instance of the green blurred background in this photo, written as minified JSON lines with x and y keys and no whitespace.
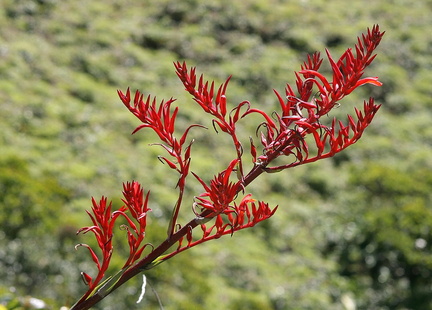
{"x":351,"y":232}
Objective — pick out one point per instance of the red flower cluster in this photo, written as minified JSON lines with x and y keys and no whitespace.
{"x":138,"y":208}
{"x":220,"y":193}
{"x":204,"y":94}
{"x":103,"y":224}
{"x":246,"y":214}
{"x":295,"y":130}
{"x":227,"y":221}
{"x":300,"y":114}
{"x":102,"y":228}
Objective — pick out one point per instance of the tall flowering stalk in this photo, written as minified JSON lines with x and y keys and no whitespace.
{"x":224,"y":207}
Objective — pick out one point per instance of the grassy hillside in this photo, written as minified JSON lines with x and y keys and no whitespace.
{"x":355,"y":228}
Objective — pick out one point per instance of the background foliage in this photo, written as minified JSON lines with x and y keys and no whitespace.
{"x":352,"y":229}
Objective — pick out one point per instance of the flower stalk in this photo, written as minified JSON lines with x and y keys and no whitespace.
{"x":293,"y":134}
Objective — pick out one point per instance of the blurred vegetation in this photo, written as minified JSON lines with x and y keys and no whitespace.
{"x":355,"y":229}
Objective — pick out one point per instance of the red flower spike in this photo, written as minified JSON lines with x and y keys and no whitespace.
{"x":221,"y":192}
{"x":103,"y":231}
{"x":217,"y":107}
{"x":300,"y":117}
{"x":138,"y":208}
{"x":246,"y":214}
